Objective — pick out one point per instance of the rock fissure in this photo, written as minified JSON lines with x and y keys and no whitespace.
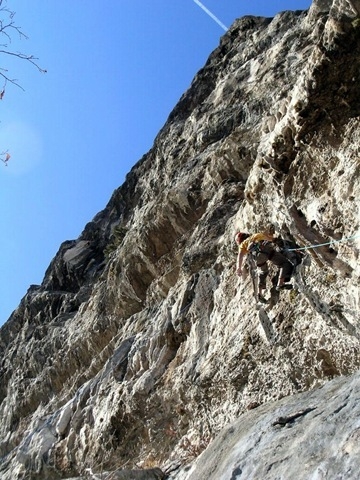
{"x":290,"y":419}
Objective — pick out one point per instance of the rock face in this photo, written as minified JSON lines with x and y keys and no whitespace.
{"x":311,"y":435}
{"x":141,"y":343}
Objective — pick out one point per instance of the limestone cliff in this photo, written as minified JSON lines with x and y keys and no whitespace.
{"x":141,"y":343}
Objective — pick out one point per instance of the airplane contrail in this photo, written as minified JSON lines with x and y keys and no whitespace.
{"x":206,"y":10}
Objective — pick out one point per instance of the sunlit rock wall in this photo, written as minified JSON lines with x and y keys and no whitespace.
{"x":141,"y":343}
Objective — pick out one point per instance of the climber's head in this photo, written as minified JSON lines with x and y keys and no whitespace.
{"x":240,"y":237}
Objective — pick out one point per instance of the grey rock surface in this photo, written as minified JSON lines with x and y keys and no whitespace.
{"x":141,"y":343}
{"x":311,"y":435}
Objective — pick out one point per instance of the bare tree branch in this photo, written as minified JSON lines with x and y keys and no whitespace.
{"x":5,"y":157}
{"x":7,"y":29}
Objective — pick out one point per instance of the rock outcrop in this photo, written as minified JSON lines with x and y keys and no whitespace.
{"x":141,"y":343}
{"x":310,"y":435}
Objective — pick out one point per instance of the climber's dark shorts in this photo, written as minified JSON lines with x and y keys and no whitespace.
{"x":268,"y":253}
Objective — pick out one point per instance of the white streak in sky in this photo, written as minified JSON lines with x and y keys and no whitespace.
{"x":211,"y":15}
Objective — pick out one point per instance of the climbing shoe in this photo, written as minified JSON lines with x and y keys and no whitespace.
{"x":262,"y":299}
{"x":285,"y":286}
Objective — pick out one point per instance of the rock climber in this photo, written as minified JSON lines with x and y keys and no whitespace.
{"x":263,"y":249}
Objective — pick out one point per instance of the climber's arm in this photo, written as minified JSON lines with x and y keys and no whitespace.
{"x":239,"y":262}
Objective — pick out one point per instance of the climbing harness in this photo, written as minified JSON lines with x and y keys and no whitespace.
{"x":255,"y":248}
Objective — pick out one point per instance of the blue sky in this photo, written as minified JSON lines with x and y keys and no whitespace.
{"x":115,"y":70}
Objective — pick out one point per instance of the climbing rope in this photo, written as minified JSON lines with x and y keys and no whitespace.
{"x":346,"y":239}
